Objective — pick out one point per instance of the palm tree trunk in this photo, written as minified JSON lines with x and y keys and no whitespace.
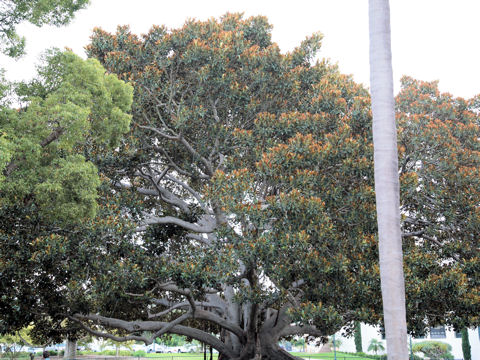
{"x":386,"y":181}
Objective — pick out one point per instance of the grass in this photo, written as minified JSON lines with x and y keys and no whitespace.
{"x":199,"y":356}
{"x":188,"y":356}
{"x":327,"y":356}
{"x":322,"y":356}
{"x":167,"y":356}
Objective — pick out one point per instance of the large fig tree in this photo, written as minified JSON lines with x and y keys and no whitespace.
{"x":254,"y":174}
{"x":253,"y":170}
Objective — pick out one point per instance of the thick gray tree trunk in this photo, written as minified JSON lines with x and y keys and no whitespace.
{"x":70,"y":350}
{"x":387,"y":187}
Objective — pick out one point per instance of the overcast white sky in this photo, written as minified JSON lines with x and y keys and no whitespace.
{"x":431,"y":39}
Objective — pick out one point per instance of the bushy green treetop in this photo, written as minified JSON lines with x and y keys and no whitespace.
{"x":50,"y":188}
{"x":74,"y":104}
{"x":439,"y":167}
{"x":37,"y":12}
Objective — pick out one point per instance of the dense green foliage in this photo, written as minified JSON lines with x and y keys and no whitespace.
{"x":439,"y":166}
{"x":49,"y":192}
{"x":466,"y":348}
{"x":9,"y":343}
{"x":73,"y":104}
{"x":275,"y":155}
{"x":358,"y":337}
{"x":257,"y":170}
{"x":37,"y":12}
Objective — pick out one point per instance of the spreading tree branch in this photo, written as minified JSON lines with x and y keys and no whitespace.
{"x":153,"y":220}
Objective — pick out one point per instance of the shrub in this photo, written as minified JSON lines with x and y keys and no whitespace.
{"x":114,"y":352}
{"x":140,"y":353}
{"x":434,"y":349}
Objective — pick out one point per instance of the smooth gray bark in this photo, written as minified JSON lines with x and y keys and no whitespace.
{"x":387,"y":187}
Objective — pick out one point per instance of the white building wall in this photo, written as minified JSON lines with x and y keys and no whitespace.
{"x":370,"y":332}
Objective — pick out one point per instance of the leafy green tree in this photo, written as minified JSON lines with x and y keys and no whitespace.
{"x":117,"y":345}
{"x":439,"y":164}
{"x":249,"y":201}
{"x":172,"y":340}
{"x":466,"y":348}
{"x":434,"y":349}
{"x":375,"y":346}
{"x":14,"y":343}
{"x":37,"y":12}
{"x":50,"y":187}
{"x":358,"y":337}
{"x":335,"y":343}
{"x":85,"y":342}
{"x":11,"y":343}
{"x":299,"y":342}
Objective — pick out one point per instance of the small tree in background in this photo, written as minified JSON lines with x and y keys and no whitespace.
{"x":466,"y":349}
{"x":171,"y":340}
{"x":434,"y":349}
{"x":117,"y":344}
{"x":358,"y":337}
{"x":299,"y":343}
{"x":11,"y":343}
{"x":375,"y":346}
{"x":336,"y":343}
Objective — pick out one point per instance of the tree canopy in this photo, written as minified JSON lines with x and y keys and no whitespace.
{"x":49,"y":183}
{"x":253,"y":169}
{"x":37,"y":12}
{"x":439,"y":164}
{"x":239,"y":207}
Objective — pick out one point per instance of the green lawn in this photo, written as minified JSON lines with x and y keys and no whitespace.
{"x":167,"y":356}
{"x":326,"y":356}
{"x":182,"y":356}
{"x":197,"y":356}
{"x":329,"y":356}
{"x":200,"y":356}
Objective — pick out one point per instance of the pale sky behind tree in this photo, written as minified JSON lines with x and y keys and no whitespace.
{"x":431,"y":39}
